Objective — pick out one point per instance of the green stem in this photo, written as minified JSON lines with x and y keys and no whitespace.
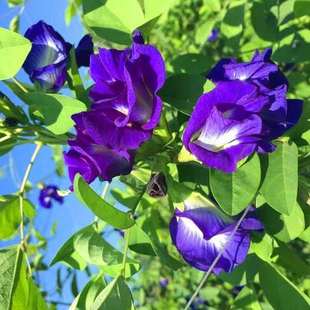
{"x":20,"y":85}
{"x":217,"y":258}
{"x":21,"y":200}
{"x":126,"y":237}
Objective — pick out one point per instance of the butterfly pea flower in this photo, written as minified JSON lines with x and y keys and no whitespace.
{"x":163,"y":282}
{"x":125,"y":92}
{"x":91,"y":158}
{"x":48,"y":194}
{"x":47,"y":61}
{"x":214,"y":35}
{"x":278,"y":113}
{"x":245,"y":111}
{"x":201,"y":231}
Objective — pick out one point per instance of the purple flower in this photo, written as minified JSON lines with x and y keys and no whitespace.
{"x":48,"y":194}
{"x":201,"y":231}
{"x":84,"y":50}
{"x":214,"y":35}
{"x":89,"y":157}
{"x":245,"y":111}
{"x":163,"y":282}
{"x":125,"y":92}
{"x":47,"y":61}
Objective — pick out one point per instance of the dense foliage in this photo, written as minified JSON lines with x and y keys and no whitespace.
{"x":196,"y":121}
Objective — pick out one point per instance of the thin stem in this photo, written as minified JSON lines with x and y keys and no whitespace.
{"x":21,"y":200}
{"x":20,"y":85}
{"x":105,"y":190}
{"x":7,"y":137}
{"x":217,"y":258}
{"x":125,"y":252}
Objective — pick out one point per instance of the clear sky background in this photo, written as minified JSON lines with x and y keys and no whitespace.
{"x":71,"y":216}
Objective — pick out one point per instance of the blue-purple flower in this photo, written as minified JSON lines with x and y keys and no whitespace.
{"x":201,"y":231}
{"x":163,"y":282}
{"x":47,"y":61}
{"x":245,"y":111}
{"x":214,"y":35}
{"x":124,"y":95}
{"x":125,"y":110}
{"x":92,"y":158}
{"x":48,"y":194}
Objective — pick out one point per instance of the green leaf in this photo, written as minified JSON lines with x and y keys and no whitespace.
{"x":302,"y":8}
{"x":150,"y":226}
{"x":114,"y":20}
{"x":99,"y":207}
{"x":10,"y":215}
{"x":246,"y":300}
{"x":91,"y":290}
{"x":67,"y":253}
{"x":116,"y":295}
{"x":262,"y":245}
{"x":182,"y":91}
{"x":235,"y":191}
{"x":15,"y":2}
{"x":192,"y":63}
{"x":281,"y":181}
{"x":7,"y":267}
{"x":17,"y":289}
{"x":139,"y":241}
{"x":280,"y":291}
{"x":283,"y":227}
{"x":87,"y":247}
{"x":264,"y":21}
{"x":14,"y":49}
{"x":7,"y":145}
{"x":233,"y":21}
{"x":244,"y":273}
{"x":54,"y":110}
{"x":289,"y":258}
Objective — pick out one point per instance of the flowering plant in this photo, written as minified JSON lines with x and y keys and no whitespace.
{"x":180,"y":137}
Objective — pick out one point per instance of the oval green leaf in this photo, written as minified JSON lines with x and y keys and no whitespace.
{"x":54,"y":110}
{"x":14,"y":49}
{"x":99,"y":207}
{"x":280,"y":291}
{"x":281,"y":181}
{"x":234,"y":192}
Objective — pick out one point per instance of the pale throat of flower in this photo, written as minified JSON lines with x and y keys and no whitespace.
{"x":216,"y":140}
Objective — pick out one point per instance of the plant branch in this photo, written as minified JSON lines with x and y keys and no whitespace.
{"x":21,"y":200}
{"x":125,"y":252}
{"x":20,"y":85}
{"x":217,"y":258}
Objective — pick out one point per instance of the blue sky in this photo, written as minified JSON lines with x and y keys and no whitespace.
{"x":70,"y":216}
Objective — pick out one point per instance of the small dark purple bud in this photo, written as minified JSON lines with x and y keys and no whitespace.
{"x":10,"y":121}
{"x":163,"y":282}
{"x":137,"y":37}
{"x":83,"y":51}
{"x":214,"y":35}
{"x":157,"y":186}
{"x":48,"y":194}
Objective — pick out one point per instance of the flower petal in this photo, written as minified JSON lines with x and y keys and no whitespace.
{"x":83,"y":51}
{"x":200,"y":252}
{"x":51,"y":77}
